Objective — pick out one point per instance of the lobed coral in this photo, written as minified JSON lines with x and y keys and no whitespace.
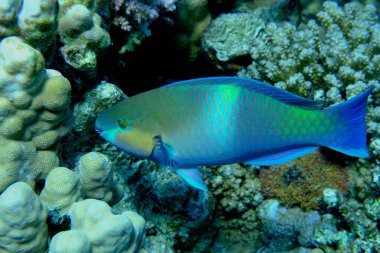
{"x":95,"y":173}
{"x":303,"y":181}
{"x":93,"y":178}
{"x":62,"y":189}
{"x":33,"y":113}
{"x":23,"y":225}
{"x":83,"y":38}
{"x":94,"y":226}
{"x":34,"y":21}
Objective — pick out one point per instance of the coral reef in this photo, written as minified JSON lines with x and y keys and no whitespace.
{"x":62,"y":189}
{"x":332,"y":58}
{"x":34,"y":21}
{"x":303,"y":181}
{"x":23,"y":225}
{"x":34,"y":113}
{"x":192,"y":20}
{"x":93,"y":224}
{"x":96,"y":100}
{"x":219,"y":40}
{"x":287,"y":227}
{"x":90,"y":192}
{"x":95,"y":173}
{"x":93,"y":178}
{"x":237,"y":190}
{"x":83,"y":38}
{"x":134,"y":18}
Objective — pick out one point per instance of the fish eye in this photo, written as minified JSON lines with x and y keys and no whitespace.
{"x":122,"y":123}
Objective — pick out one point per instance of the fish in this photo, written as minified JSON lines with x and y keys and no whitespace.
{"x":224,"y":120}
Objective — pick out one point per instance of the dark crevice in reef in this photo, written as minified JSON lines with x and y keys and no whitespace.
{"x":156,"y":62}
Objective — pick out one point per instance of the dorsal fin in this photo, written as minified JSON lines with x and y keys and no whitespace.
{"x":256,"y":86}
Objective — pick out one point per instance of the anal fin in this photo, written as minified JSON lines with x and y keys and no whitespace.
{"x":281,"y":157}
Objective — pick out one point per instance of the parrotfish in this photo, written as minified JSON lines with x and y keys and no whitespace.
{"x":224,"y":120}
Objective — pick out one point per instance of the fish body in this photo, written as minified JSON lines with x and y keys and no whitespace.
{"x":223,"y":120}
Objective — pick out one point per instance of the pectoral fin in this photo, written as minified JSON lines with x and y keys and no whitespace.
{"x":192,"y":176}
{"x":164,"y":154}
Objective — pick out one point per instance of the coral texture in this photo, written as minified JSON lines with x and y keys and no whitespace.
{"x":193,"y":18}
{"x":332,"y":58}
{"x":95,"y":173}
{"x":33,"y":20}
{"x":23,"y":225}
{"x":33,"y":113}
{"x":303,"y":181}
{"x":83,"y":38}
{"x":237,"y":190}
{"x":287,"y":228}
{"x":95,"y":101}
{"x":70,"y":241}
{"x":134,"y":17}
{"x":106,"y":232}
{"x":61,"y":190}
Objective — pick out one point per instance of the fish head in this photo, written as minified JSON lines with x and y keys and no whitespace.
{"x":127,"y":132}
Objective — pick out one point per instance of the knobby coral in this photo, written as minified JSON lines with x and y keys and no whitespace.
{"x":34,"y":110}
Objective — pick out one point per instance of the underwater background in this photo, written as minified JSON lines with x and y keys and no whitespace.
{"x":64,"y":189}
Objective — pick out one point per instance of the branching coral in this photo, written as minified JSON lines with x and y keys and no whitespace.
{"x":135,"y":17}
{"x":237,"y":190}
{"x":302,"y":181}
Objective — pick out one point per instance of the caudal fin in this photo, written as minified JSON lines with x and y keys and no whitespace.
{"x":352,"y":126}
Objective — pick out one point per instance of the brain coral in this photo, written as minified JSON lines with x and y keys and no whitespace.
{"x":33,"y":113}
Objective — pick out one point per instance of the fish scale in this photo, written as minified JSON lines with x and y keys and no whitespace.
{"x":223,"y":120}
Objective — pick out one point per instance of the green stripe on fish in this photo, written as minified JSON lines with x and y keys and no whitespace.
{"x":223,"y":120}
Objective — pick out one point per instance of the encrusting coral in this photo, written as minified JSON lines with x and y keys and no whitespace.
{"x":303,"y":181}
{"x":287,"y":227}
{"x":23,"y":225}
{"x":34,"y":110}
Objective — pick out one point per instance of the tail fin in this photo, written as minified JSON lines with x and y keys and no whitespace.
{"x":352,"y":136}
